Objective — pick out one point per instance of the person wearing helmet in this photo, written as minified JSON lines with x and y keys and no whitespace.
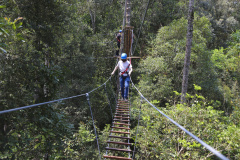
{"x":118,"y":37}
{"x":125,"y":68}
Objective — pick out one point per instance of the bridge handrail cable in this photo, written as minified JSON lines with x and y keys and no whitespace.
{"x":53,"y":101}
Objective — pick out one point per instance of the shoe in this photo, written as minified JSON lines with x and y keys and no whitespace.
{"x":125,"y":100}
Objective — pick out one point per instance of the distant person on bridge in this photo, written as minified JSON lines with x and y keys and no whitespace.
{"x":118,"y":37}
{"x":125,"y":68}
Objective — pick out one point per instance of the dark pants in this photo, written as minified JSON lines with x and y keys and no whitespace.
{"x":117,"y":52}
{"x":118,"y":44}
{"x":124,"y":82}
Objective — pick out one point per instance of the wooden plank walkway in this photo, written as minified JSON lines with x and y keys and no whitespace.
{"x":118,"y":143}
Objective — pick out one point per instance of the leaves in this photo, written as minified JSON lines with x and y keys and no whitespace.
{"x":2,"y":6}
{"x":57,"y":49}
{"x":159,"y":137}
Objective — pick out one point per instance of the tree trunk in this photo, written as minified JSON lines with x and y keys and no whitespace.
{"x":188,"y":50}
{"x":92,"y":15}
{"x":128,"y":12}
{"x":123,"y":28}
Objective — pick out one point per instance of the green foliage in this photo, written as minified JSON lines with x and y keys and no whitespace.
{"x":219,"y":59}
{"x":197,"y":88}
{"x":224,"y":17}
{"x":57,"y":50}
{"x":161,"y":71}
{"x":226,"y":63}
{"x":159,"y":139}
{"x":8,"y":31}
{"x":80,"y":145}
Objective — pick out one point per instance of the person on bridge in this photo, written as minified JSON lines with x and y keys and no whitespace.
{"x":125,"y":68}
{"x":118,"y":37}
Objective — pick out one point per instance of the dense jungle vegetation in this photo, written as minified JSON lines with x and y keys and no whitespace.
{"x":50,"y":49}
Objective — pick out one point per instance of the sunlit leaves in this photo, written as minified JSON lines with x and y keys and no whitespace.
{"x":158,"y":137}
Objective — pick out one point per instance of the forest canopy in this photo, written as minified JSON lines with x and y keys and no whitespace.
{"x":54,"y":49}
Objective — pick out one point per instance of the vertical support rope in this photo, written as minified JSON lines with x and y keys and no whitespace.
{"x":129,"y":105}
{"x":137,"y":127}
{"x":115,"y":96}
{"x":130,"y":96}
{"x":108,"y":101}
{"x":131,"y":50}
{"x":87,"y":95}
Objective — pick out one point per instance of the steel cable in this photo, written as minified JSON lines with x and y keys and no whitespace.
{"x":39,"y":104}
{"x":57,"y":100}
{"x":99,"y":86}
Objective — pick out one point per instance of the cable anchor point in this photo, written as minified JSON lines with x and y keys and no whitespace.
{"x":87,"y":95}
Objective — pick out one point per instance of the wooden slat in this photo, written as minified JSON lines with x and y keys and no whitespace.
{"x":119,"y":100}
{"x":127,"y":113}
{"x":123,"y":104}
{"x":120,"y":132}
{"x":116,"y":157}
{"x":118,"y":149}
{"x":125,"y":116}
{"x":122,"y":109}
{"x":121,"y":128}
{"x":120,"y":143}
{"x":121,"y":117}
{"x":111,"y":136}
{"x":124,"y":124}
{"x":120,"y":114}
{"x":120,"y":120}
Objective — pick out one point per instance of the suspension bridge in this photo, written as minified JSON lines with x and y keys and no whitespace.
{"x":118,"y":145}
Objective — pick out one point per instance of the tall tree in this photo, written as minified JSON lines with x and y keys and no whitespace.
{"x":188,"y":50}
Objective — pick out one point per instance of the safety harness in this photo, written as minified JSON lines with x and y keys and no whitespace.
{"x":118,"y":38}
{"x":125,"y":70}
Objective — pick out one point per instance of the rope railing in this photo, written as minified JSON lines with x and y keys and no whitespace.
{"x":53,"y":101}
{"x":211,"y":149}
{"x":115,"y":96}
{"x":99,"y":86}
